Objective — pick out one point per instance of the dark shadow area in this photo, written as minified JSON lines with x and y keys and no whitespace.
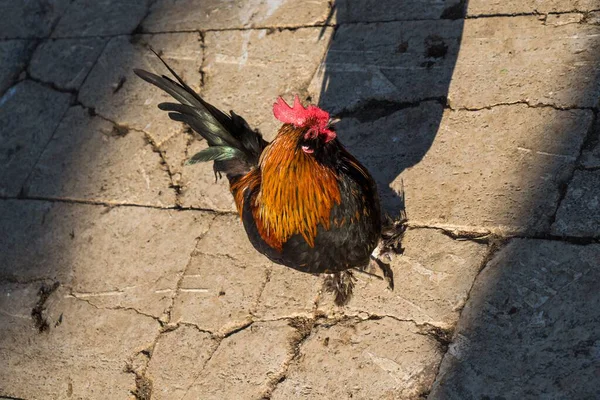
{"x":67,"y":163}
{"x":531,"y":326}
{"x":387,"y":74}
{"x":76,"y":137}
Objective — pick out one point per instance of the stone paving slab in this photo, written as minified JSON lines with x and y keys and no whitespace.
{"x":198,"y":185}
{"x":389,"y":144}
{"x":382,"y":10}
{"x":432,"y":280}
{"x":233,"y":284}
{"x":492,"y":169}
{"x":289,"y":294}
{"x":31,"y":18}
{"x":524,"y":57}
{"x":101,"y":17}
{"x":46,"y":233}
{"x":13,"y":59}
{"x":579,"y":212}
{"x":247,"y":70}
{"x":29,"y":113}
{"x":65,"y":63}
{"x":139,"y":264}
{"x":499,"y":171}
{"x":590,"y":156}
{"x":373,"y":359}
{"x":177,"y":360}
{"x":89,"y":158}
{"x":512,"y":7}
{"x":223,"y":282}
{"x":112,"y":258}
{"x":188,"y":15}
{"x":530,"y":328}
{"x":252,"y":359}
{"x":81,"y":354}
{"x":396,"y":61}
{"x":116,"y":93}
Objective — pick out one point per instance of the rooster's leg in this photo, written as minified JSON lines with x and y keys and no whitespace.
{"x":341,"y":284}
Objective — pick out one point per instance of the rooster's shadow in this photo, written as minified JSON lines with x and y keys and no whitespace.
{"x":386,"y":75}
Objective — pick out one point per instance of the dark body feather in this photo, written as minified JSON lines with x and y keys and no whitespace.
{"x":342,"y":246}
{"x":315,"y":212}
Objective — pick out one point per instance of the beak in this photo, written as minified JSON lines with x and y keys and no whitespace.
{"x":333,"y":121}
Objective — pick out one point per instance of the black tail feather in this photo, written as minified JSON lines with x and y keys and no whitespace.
{"x":230,"y":135}
{"x":200,"y":122}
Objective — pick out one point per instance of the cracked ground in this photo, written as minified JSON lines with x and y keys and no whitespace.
{"x":125,"y":275}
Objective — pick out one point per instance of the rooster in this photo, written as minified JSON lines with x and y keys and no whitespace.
{"x":304,"y":200}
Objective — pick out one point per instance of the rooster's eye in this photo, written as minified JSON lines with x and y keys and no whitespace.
{"x":307,"y":149}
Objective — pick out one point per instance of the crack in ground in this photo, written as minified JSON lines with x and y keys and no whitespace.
{"x":37,"y":41}
{"x":523,"y":102}
{"x":533,"y":13}
{"x":202,"y":368}
{"x":121,"y":130}
{"x":169,"y":311}
{"x":241,"y":29}
{"x":454,"y":231}
{"x":175,"y":184}
{"x":73,"y":295}
{"x":245,"y":325}
{"x":326,"y":23}
{"x":268,"y":272}
{"x":445,"y":338}
{"x":170,"y":328}
{"x":485,"y":236}
{"x":17,"y":76}
{"x":93,"y":66}
{"x":110,"y":204}
{"x":563,"y":187}
{"x":37,"y":313}
{"x":224,"y":257}
{"x":140,"y":26}
{"x":184,"y":271}
{"x":581,"y":168}
{"x":304,"y":88}
{"x":304,"y":328}
{"x":23,"y":190}
{"x":202,"y":62}
{"x":143,"y":384}
{"x":480,"y":234}
{"x":51,"y":85}
{"x":458,"y":234}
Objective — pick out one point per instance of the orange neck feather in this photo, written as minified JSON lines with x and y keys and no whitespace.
{"x":297,"y":193}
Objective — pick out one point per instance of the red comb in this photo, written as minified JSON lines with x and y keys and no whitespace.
{"x":298,"y":115}
{"x":301,"y":117}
